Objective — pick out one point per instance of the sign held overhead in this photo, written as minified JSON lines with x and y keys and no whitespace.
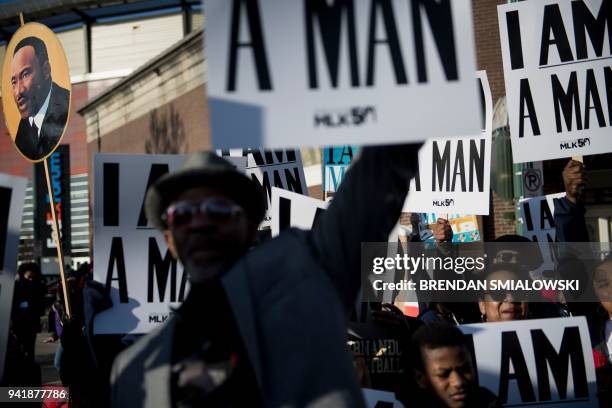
{"x":558,"y":77}
{"x":455,"y":172}
{"x":363,"y":71}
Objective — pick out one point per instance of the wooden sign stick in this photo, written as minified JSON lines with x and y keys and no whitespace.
{"x":578,"y":159}
{"x":58,"y":244}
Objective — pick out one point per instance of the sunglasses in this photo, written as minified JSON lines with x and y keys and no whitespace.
{"x":183,"y":212}
{"x":517,"y":295}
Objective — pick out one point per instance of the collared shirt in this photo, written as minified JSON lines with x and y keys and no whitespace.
{"x":206,"y":330}
{"x":40,"y":115}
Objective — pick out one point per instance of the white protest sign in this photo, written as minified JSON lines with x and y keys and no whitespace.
{"x":130,"y":256}
{"x":556,"y":56}
{"x":12,"y":193}
{"x":537,"y":214}
{"x":280,"y":168}
{"x":540,"y":362}
{"x":380,"y":399}
{"x":294,"y":210}
{"x":291,"y":73}
{"x":455,"y":172}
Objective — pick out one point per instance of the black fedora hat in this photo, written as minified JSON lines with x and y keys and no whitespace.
{"x":205,"y":169}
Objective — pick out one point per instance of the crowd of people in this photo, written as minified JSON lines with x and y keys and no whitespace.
{"x":265,"y":322}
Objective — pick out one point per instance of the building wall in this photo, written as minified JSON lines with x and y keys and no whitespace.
{"x":488,"y":56}
{"x":2,"y":52}
{"x":162,"y":108}
{"x":129,"y":44}
{"x":316,"y":192}
{"x":156,"y":85}
{"x":75,"y":134}
{"x":73,"y":42}
{"x":502,"y":220}
{"x":12,"y":162}
{"x":488,"y":48}
{"x":186,"y":116}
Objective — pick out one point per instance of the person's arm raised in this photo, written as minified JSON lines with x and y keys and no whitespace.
{"x":365,"y":209}
{"x":569,"y":213}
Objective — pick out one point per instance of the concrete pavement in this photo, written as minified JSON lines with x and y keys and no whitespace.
{"x":45,"y":353}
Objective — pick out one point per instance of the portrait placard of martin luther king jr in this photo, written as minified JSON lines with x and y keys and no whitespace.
{"x":42,"y":104}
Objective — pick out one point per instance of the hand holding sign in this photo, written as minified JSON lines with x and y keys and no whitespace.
{"x":574,"y":180}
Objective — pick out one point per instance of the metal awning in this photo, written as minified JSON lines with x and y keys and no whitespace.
{"x":61,"y":14}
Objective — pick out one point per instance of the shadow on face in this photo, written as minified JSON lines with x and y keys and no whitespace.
{"x":447,"y":373}
{"x":205,"y":242}
{"x":497,"y":307}
{"x":602,"y":283}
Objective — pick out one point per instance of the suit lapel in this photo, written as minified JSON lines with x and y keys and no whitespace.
{"x":26,"y":140}
{"x":51,"y":123}
{"x":239,"y":297}
{"x":157,"y":367}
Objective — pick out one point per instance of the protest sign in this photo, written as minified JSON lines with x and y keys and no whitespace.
{"x":464,"y":226}
{"x":558,"y":77}
{"x":280,"y":168}
{"x":380,"y":399}
{"x":539,"y":226}
{"x":294,"y":210}
{"x":535,"y":362}
{"x":130,"y":256}
{"x":318,"y":73}
{"x":381,"y":350}
{"x":336,"y":161}
{"x":12,"y":194}
{"x":455,"y":172}
{"x":35,"y":139}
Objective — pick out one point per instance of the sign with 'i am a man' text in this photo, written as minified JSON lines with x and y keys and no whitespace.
{"x":131,"y":257}
{"x":558,"y":74}
{"x":292,"y":73}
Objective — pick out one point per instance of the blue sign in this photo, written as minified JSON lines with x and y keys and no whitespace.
{"x":335,"y":163}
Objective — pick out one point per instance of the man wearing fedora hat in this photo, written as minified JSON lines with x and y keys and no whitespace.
{"x":263,"y":325}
